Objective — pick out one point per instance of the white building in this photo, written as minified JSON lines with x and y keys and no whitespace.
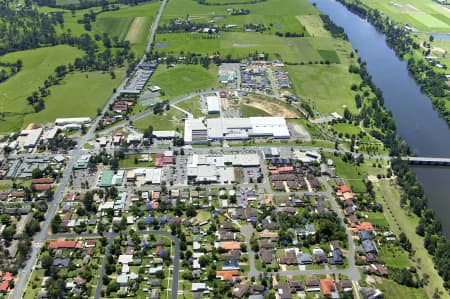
{"x":72,"y":120}
{"x":213,"y":104}
{"x":29,"y":138}
{"x":195,"y":132}
{"x":244,"y":128}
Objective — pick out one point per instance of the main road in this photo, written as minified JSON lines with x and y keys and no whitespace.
{"x":25,"y":273}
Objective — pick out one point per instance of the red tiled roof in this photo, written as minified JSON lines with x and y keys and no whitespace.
{"x":4,"y":286}
{"x":228,"y":275}
{"x":344,"y":188}
{"x":41,"y":187}
{"x":64,"y":244}
{"x":231,"y":245}
{"x":363,"y":226}
{"x":327,"y":285}
{"x":43,"y":181}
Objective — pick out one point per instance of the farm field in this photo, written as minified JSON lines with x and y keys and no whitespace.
{"x":80,"y":94}
{"x":130,"y":23}
{"x":326,"y":86}
{"x":424,"y":15}
{"x":38,"y":64}
{"x":183,"y":79}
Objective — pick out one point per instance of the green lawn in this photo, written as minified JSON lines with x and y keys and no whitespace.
{"x":326,"y":87}
{"x":79,"y":95}
{"x":192,"y":106}
{"x":393,"y":256}
{"x":171,"y":120}
{"x":38,"y":64}
{"x":183,"y":79}
{"x":393,"y":290}
{"x":346,"y":128}
{"x":128,"y":162}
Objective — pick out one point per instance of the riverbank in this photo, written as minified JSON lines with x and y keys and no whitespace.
{"x":427,"y":70}
{"x":416,"y":122}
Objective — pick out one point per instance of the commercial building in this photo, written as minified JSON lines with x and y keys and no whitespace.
{"x":244,"y":128}
{"x":29,"y":138}
{"x":195,"y":132}
{"x":213,"y":104}
{"x":72,"y":120}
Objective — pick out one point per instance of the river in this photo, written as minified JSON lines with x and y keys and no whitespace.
{"x":417,"y":122}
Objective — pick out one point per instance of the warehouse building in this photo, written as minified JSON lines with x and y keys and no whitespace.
{"x":72,"y":120}
{"x":245,"y":128}
{"x":29,"y":138}
{"x":195,"y":132}
{"x":213,"y":104}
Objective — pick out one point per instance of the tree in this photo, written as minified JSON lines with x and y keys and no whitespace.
{"x":8,"y":233}
{"x":36,"y":173}
{"x":46,"y":261}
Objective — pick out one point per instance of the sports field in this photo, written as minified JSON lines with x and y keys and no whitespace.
{"x":424,"y":15}
{"x":38,"y":64}
{"x":184,"y":79}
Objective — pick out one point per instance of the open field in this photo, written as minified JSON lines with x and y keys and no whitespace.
{"x":80,"y":94}
{"x":130,"y":22}
{"x":271,"y":107}
{"x":326,"y":87}
{"x":393,"y":290}
{"x":425,"y":15}
{"x":184,"y":79}
{"x":192,"y":106}
{"x":314,"y":25}
{"x":250,"y":111}
{"x":170,"y":120}
{"x":38,"y":64}
{"x":402,"y":220}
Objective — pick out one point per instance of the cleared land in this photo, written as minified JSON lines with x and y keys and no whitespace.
{"x":38,"y":64}
{"x":192,"y":106}
{"x":135,"y":30}
{"x":392,"y":289}
{"x":271,"y":107}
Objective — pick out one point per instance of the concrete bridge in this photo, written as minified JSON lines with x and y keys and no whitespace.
{"x":427,"y":161}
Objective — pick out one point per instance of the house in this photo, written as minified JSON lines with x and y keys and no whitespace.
{"x":125,"y":259}
{"x":363,"y":226}
{"x":337,"y":257}
{"x":309,"y":230}
{"x":290,"y":258}
{"x":266,"y":255}
{"x":320,"y":258}
{"x":296,"y":285}
{"x":328,"y":287}
{"x":344,"y":285}
{"x":228,"y":275}
{"x":231,"y":245}
{"x":4,"y":285}
{"x":283,"y":291}
{"x":365,"y":235}
{"x":266,"y":244}
{"x":198,"y":286}
{"x":305,"y":259}
{"x":62,"y":244}
{"x":368,"y":246}
{"x":370,"y":293}
{"x":230,"y":265}
{"x":381,"y":270}
{"x":312,"y":284}
{"x":240,"y":290}
{"x":58,"y":262}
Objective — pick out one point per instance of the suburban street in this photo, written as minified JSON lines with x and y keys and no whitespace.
{"x":25,"y":273}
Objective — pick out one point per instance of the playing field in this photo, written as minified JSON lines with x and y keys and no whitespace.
{"x":184,"y":79}
{"x":38,"y":64}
